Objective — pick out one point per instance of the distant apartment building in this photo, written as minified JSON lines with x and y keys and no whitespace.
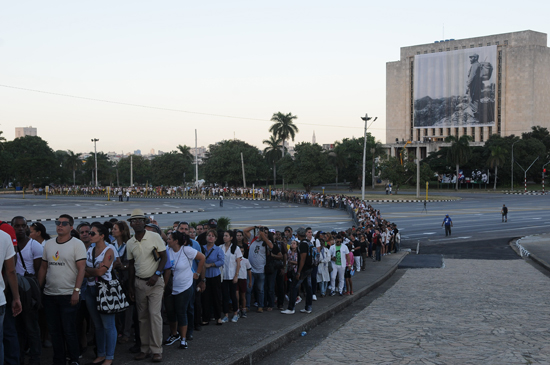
{"x":25,"y":131}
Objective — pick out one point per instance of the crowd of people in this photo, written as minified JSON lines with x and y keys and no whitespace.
{"x":195,"y":274}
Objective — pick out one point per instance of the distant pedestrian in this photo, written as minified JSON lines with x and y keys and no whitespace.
{"x":221,"y":200}
{"x":120,"y":196}
{"x":504,"y":212}
{"x":448,"y":223}
{"x":127,"y":195}
{"x":425,"y":208}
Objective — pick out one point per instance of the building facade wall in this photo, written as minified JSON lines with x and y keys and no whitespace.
{"x":522,"y":92}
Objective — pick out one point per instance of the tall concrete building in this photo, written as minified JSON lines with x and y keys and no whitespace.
{"x":497,"y":84}
{"x":25,"y":131}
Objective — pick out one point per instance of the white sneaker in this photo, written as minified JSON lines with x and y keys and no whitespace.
{"x":288,"y":311}
{"x":314,"y":297}
{"x":298,"y":300}
{"x":305,"y":311}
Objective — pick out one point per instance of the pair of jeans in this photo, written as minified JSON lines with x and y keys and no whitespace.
{"x":314,"y":271}
{"x":61,"y":317}
{"x":258,"y":282}
{"x":280,"y":289}
{"x":269,"y":290}
{"x":229,"y":293}
{"x":181,"y":306}
{"x":28,"y":332}
{"x":323,"y":285}
{"x":378,"y":252}
{"x":305,"y":277}
{"x":2,"y":314}
{"x":105,"y":326}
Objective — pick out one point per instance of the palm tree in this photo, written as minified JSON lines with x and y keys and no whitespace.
{"x":74,"y":162}
{"x":498,"y":156}
{"x":272,"y":153}
{"x":459,"y":152}
{"x":186,"y":152}
{"x":338,"y":161}
{"x":284,"y":128}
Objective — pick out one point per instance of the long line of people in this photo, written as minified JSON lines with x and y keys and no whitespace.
{"x":198,"y":274}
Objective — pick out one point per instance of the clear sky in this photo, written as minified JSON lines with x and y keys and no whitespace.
{"x":323,"y":61}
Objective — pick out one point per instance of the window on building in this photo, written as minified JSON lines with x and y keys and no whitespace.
{"x":463,"y":47}
{"x":472,"y":46}
{"x":440,"y":131}
{"x":506,"y":42}
{"x":481,"y":134}
{"x":425,"y":132}
{"x":441,"y":50}
{"x":496,"y":43}
{"x":448,"y":49}
{"x":432,"y":51}
{"x":473,"y":133}
{"x":433,"y":131}
{"x":425,"y":52}
{"x":480,"y":45}
{"x":489,"y":43}
{"x":465,"y":131}
{"x":418,"y":52}
{"x":456,"y":132}
{"x":490,"y":131}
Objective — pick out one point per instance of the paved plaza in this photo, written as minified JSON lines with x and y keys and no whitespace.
{"x":469,"y":312}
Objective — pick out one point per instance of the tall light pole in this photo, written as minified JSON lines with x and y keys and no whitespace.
{"x":366,"y":118}
{"x":512,"y":174}
{"x":95,"y":152}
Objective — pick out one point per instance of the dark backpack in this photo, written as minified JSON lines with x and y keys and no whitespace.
{"x":313,"y":258}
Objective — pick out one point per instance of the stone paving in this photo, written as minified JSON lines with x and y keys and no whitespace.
{"x":469,"y":312}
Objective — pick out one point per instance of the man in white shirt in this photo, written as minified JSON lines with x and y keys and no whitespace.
{"x":61,"y":274}
{"x":6,"y":258}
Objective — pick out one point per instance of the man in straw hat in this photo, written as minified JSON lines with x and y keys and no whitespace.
{"x":147,"y":257}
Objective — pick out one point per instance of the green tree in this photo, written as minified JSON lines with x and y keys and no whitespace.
{"x":351,"y":151}
{"x":105,"y":169}
{"x":459,"y":152}
{"x":310,"y":165}
{"x":169,"y":168}
{"x":73,"y":161}
{"x":498,"y":157}
{"x":338,"y":161}
{"x":32,"y":161}
{"x":392,"y":170}
{"x":223,"y":163}
{"x":284,"y":127}
{"x":272,"y":153}
{"x":140,"y":169}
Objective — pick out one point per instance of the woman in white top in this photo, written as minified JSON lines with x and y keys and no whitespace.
{"x":323,"y":275}
{"x":38,"y":232}
{"x":99,"y":263}
{"x":231,"y":268}
{"x":182,"y":255}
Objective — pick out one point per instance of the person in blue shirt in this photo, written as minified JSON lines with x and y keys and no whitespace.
{"x":448,"y":223}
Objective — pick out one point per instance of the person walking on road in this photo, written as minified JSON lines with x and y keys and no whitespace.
{"x":504,"y":212}
{"x":448,"y":223}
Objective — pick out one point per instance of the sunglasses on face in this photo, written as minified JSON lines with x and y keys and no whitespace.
{"x":64,"y":223}
{"x":92,"y":233}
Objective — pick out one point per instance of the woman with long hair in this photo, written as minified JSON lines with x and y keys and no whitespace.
{"x":182,"y":256}
{"x":99,"y":263}
{"x":231,"y":267}
{"x":121,"y":234}
{"x":212,"y":297}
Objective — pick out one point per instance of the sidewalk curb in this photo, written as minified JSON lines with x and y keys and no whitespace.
{"x":266,"y":347}
{"x":524,"y":253}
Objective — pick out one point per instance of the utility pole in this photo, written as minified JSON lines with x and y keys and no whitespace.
{"x":95,"y":153}
{"x":131,"y":170}
{"x":242,"y":163}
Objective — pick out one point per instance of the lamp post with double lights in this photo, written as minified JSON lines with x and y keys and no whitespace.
{"x":366,"y":118}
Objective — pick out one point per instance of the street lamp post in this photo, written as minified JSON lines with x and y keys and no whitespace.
{"x":366,"y":118}
{"x":512,"y":174}
{"x":95,"y":153}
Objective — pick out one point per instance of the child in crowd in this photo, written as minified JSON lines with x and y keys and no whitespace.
{"x":244,"y":280}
